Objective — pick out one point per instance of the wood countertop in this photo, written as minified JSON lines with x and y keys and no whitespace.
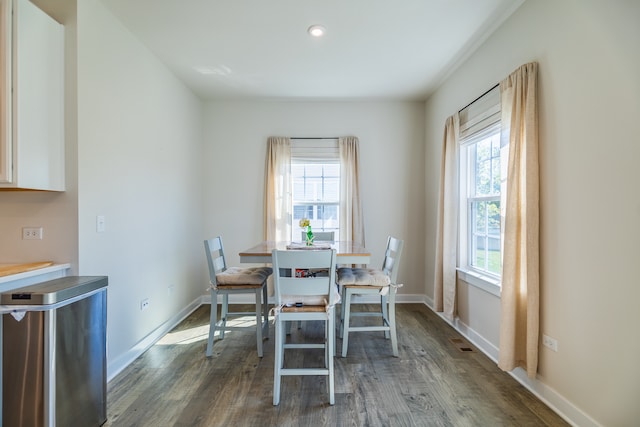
{"x":9,"y":269}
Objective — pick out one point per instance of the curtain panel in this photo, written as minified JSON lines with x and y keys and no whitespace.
{"x":520,"y":297}
{"x":351,"y":218}
{"x":445,"y":297}
{"x":277,"y":200}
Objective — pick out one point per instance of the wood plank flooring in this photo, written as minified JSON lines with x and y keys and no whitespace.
{"x":432,"y":383}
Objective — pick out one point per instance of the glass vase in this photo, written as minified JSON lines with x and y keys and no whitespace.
{"x":309,"y":240}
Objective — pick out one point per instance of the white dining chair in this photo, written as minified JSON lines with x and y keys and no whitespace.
{"x":368,"y":281}
{"x":304,"y":298}
{"x":226,"y":281}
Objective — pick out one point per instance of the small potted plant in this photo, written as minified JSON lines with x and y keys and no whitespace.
{"x":305,"y":223}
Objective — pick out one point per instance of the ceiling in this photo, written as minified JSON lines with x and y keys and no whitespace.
{"x":380,"y":49}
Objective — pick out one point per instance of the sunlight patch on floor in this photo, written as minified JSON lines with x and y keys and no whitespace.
{"x":201,"y":333}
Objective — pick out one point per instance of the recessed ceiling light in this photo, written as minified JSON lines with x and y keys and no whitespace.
{"x":316,"y":30}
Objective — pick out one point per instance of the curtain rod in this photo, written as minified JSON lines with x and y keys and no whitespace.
{"x":486,"y":92}
{"x":318,"y":137}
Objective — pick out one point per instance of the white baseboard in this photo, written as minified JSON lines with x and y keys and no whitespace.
{"x":558,"y":403}
{"x":118,"y":364}
{"x":567,"y":410}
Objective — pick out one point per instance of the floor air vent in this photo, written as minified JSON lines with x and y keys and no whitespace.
{"x":462,"y":345}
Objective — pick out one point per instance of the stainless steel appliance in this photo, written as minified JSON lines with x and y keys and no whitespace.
{"x":54,"y":353}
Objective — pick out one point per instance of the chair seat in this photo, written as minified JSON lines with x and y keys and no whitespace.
{"x":362,"y":277}
{"x":305,"y":309}
{"x":244,"y":276}
{"x":238,"y":287}
{"x":311,"y":300}
{"x":365,"y":288}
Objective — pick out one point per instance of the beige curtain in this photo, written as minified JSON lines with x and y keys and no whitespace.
{"x":277,"y":202}
{"x":447,"y":232}
{"x":351,"y":221}
{"x":519,"y":323}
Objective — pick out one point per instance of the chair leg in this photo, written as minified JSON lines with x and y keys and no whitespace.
{"x":385,"y":314}
{"x":335,"y":334}
{"x":342,"y":305}
{"x":326,"y":343}
{"x":345,"y":324}
{"x":259,"y":321}
{"x":213,"y":319}
{"x":224,"y":314}
{"x":265,"y":311}
{"x":392,"y":320}
{"x":330,"y":339}
{"x":278,"y":360}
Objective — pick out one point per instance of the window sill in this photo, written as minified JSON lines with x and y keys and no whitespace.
{"x":486,"y":283}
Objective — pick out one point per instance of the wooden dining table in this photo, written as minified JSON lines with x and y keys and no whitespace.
{"x":346,"y":252}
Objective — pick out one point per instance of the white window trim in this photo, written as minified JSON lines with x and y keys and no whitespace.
{"x":463,"y":204}
{"x":476,"y":121}
{"x":314,"y":150}
{"x":481,"y":281}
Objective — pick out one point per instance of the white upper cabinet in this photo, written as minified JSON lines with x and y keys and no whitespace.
{"x":5,"y":92}
{"x":31,"y":98}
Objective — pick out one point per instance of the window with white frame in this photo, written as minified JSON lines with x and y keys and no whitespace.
{"x":315,"y":175}
{"x":482,"y":168}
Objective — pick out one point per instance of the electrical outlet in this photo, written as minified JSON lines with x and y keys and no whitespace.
{"x":32,"y":233}
{"x":550,"y":343}
{"x":144,"y":304}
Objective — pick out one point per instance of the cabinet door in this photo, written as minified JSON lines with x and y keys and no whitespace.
{"x":5,"y":92}
{"x":38,"y":99}
{"x":31,"y":98}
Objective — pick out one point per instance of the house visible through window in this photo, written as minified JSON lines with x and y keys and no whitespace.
{"x":315,"y":175}
{"x":482,"y":183}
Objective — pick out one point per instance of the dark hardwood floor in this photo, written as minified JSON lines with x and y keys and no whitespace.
{"x":432,"y":383}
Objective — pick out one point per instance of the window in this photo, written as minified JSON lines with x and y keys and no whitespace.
{"x":483,"y":160}
{"x":316,"y":196}
{"x":315,"y":175}
{"x":325,"y":154}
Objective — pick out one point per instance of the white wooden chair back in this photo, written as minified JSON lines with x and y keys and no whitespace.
{"x":392,"y":255}
{"x":309,"y":290}
{"x":215,"y":257}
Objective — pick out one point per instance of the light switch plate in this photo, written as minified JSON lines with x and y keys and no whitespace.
{"x":101,"y":224}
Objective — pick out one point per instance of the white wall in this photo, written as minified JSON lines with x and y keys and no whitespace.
{"x":139,"y":148}
{"x":392,"y":148}
{"x":589,"y":63}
